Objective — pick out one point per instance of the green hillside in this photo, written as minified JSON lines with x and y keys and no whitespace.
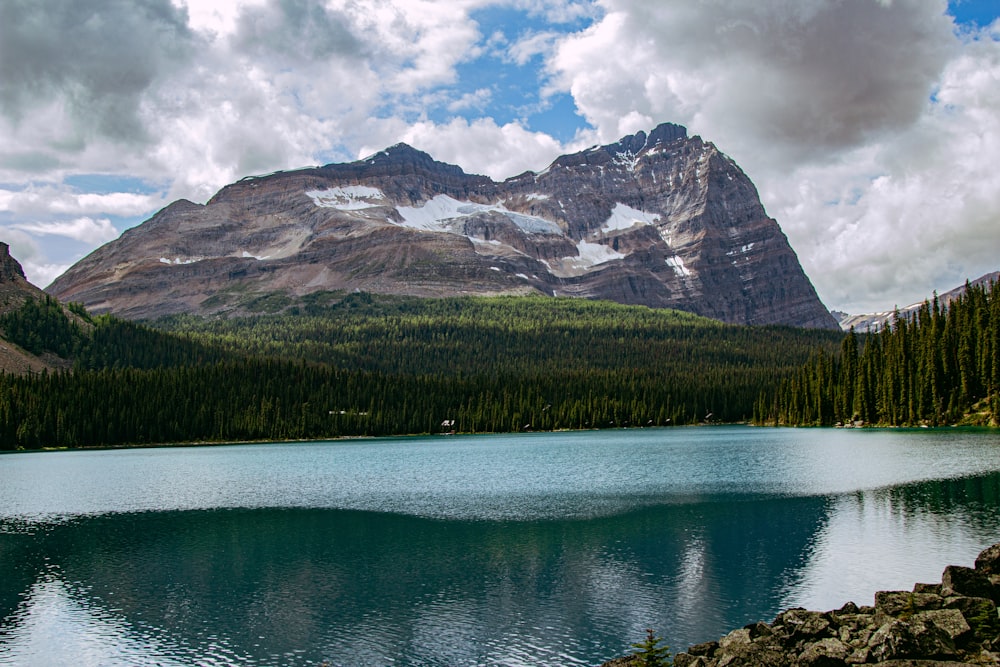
{"x":362,"y":365}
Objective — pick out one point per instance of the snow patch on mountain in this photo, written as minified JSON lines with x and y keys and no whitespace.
{"x":677,"y":264}
{"x":626,"y":217}
{"x":592,"y":254}
{"x":348,"y":197}
{"x":439,"y":214}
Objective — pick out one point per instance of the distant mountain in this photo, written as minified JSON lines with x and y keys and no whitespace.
{"x":876,"y":321}
{"x":663,"y":220}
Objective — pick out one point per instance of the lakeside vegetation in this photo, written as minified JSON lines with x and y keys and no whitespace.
{"x":939,"y":367}
{"x":362,"y":365}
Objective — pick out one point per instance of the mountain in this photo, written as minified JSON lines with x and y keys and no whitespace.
{"x":663,"y":220}
{"x":876,"y":321}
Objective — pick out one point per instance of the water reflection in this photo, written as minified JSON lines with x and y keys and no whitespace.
{"x":302,"y":586}
{"x":900,"y":535}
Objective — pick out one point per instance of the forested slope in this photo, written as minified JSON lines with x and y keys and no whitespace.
{"x":379,"y":366}
{"x":939,"y":366}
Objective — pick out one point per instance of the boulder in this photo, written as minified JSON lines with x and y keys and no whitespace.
{"x":965,"y":581}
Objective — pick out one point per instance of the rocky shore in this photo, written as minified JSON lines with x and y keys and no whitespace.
{"x":948,"y":624}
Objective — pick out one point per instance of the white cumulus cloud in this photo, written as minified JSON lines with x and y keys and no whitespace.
{"x":88,"y":230}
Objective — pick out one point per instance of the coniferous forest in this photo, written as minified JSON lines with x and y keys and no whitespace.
{"x":361,"y":365}
{"x":940,"y":366}
{"x":364,"y":365}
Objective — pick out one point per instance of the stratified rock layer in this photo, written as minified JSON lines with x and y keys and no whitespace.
{"x":662,"y":220}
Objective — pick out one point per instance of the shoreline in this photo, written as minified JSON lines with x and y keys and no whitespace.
{"x":949,"y":624}
{"x":222,"y":443}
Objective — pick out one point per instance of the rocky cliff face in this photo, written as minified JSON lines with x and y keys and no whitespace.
{"x":14,"y":287}
{"x":663,"y":219}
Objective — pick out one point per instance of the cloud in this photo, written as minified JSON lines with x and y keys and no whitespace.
{"x":476,"y":100}
{"x":916,"y":211}
{"x":481,"y":146}
{"x":50,"y":200}
{"x":26,"y":250}
{"x":87,"y":230}
{"x":294,"y":32}
{"x":88,"y":63}
{"x":531,"y":45}
{"x":800,"y":78}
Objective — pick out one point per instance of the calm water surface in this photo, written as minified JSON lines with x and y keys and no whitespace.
{"x":533,"y":549}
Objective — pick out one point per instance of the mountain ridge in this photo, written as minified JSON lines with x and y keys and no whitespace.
{"x":876,"y":321}
{"x":658,"y":219}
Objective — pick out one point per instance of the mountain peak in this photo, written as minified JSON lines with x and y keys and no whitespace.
{"x":397,"y":160}
{"x":397,"y":152}
{"x":661,"y":135}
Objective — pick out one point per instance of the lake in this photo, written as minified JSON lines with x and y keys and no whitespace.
{"x":528,"y":549}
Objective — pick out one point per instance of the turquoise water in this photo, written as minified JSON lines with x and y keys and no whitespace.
{"x":531,"y":549}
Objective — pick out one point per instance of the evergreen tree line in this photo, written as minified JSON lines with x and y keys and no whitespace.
{"x":502,"y":335}
{"x":255,"y":398}
{"x":939,"y":366}
{"x":42,"y":326}
{"x":373,"y":368}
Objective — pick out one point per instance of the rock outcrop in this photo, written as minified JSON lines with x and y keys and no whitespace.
{"x":14,"y":290}
{"x":663,"y":220}
{"x":14,"y":287}
{"x":951,"y":623}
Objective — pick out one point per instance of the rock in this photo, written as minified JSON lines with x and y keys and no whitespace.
{"x":934,"y":589}
{"x":827,"y":652}
{"x":734,"y":638}
{"x":910,"y":639}
{"x":663,"y":220}
{"x":965,"y":581}
{"x":704,"y":649}
{"x":970,"y":607}
{"x":800,"y":624}
{"x":687,"y":660}
{"x":988,"y":562}
{"x":10,"y":268}
{"x":896,"y":604}
{"x":950,"y":620}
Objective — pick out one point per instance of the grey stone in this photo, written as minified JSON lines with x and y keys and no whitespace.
{"x":705,"y":648}
{"x":988,"y":561}
{"x":827,"y":652}
{"x":949,"y":620}
{"x":736,"y":637}
{"x":900,"y":639}
{"x":959,"y":580}
{"x":902,"y":604}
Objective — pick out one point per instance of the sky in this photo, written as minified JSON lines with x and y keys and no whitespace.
{"x":870,"y":127}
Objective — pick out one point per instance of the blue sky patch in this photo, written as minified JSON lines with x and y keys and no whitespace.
{"x":979,"y":13}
